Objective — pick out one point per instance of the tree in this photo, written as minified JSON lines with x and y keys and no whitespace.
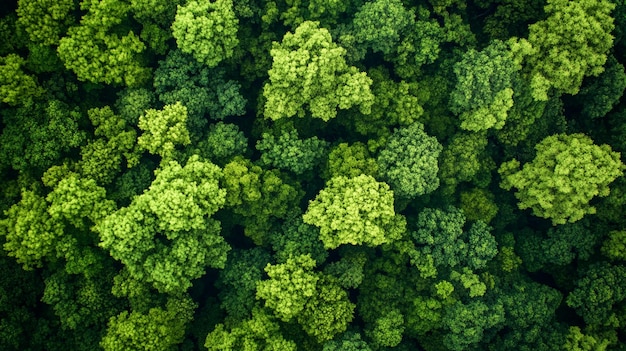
{"x":238,"y":281}
{"x":164,"y":130}
{"x":395,"y":104}
{"x":467,"y":323}
{"x":380,"y":24}
{"x":30,"y":233}
{"x":166,"y":237}
{"x":45,"y":21}
{"x":350,"y":160}
{"x":161,"y":329}
{"x":462,"y":160}
{"x":38,"y":136}
{"x":97,"y":53}
{"x":577,"y":341}
{"x":205,"y":92}
{"x":604,"y":92}
{"x":223,"y":142}
{"x":597,"y":291}
{"x":82,"y":304}
{"x":349,"y":341}
{"x":571,"y":43}
{"x":259,"y":196}
{"x":207,"y":30}
{"x":297,"y":238}
{"x":355,"y":211}
{"x":408,"y":162}
{"x":615,"y":246}
{"x":17,"y":87}
{"x":102,"y":156}
{"x":441,"y":235}
{"x":260,"y":332}
{"x":484,"y":90}
{"x":529,"y":309}
{"x":567,"y":172}
{"x":310,"y":70}
{"x":284,"y":149}
{"x":318,"y":303}
{"x":289,"y":287}
{"x":421,"y":45}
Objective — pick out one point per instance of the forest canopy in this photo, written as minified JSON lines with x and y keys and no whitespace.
{"x":317,"y":175}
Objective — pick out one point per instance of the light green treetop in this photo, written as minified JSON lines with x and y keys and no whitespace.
{"x":571,"y":43}
{"x":309,"y":69}
{"x":207,"y":30}
{"x":16,"y":87}
{"x":166,"y":236}
{"x":160,"y":329}
{"x":96,"y":50}
{"x":355,"y":211}
{"x":567,"y":172}
{"x":45,"y":21}
{"x":30,"y":233}
{"x":164,"y":130}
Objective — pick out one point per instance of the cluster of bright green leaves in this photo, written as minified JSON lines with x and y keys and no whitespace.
{"x":355,"y":211}
{"x":45,"y":21}
{"x":408,"y":162}
{"x":309,"y":70}
{"x":166,"y":236}
{"x":260,"y":332}
{"x":17,"y":87}
{"x":207,"y":30}
{"x":29,"y":232}
{"x":95,"y":50}
{"x":570,"y":44}
{"x":315,"y":300}
{"x":567,"y":172}
{"x":159,"y":329}
{"x":164,"y":130}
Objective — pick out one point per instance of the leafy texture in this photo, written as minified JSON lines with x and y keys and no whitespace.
{"x":355,"y":211}
{"x":165,"y":236}
{"x":408,"y":162}
{"x":570,"y":44}
{"x":568,"y":171}
{"x":310,"y":70}
{"x":207,"y":30}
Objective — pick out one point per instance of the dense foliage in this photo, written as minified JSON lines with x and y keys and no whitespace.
{"x":319,"y":175}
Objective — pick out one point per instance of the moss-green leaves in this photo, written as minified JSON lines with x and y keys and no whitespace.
{"x":355,"y":211}
{"x":309,"y":70}
{"x":207,"y":30}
